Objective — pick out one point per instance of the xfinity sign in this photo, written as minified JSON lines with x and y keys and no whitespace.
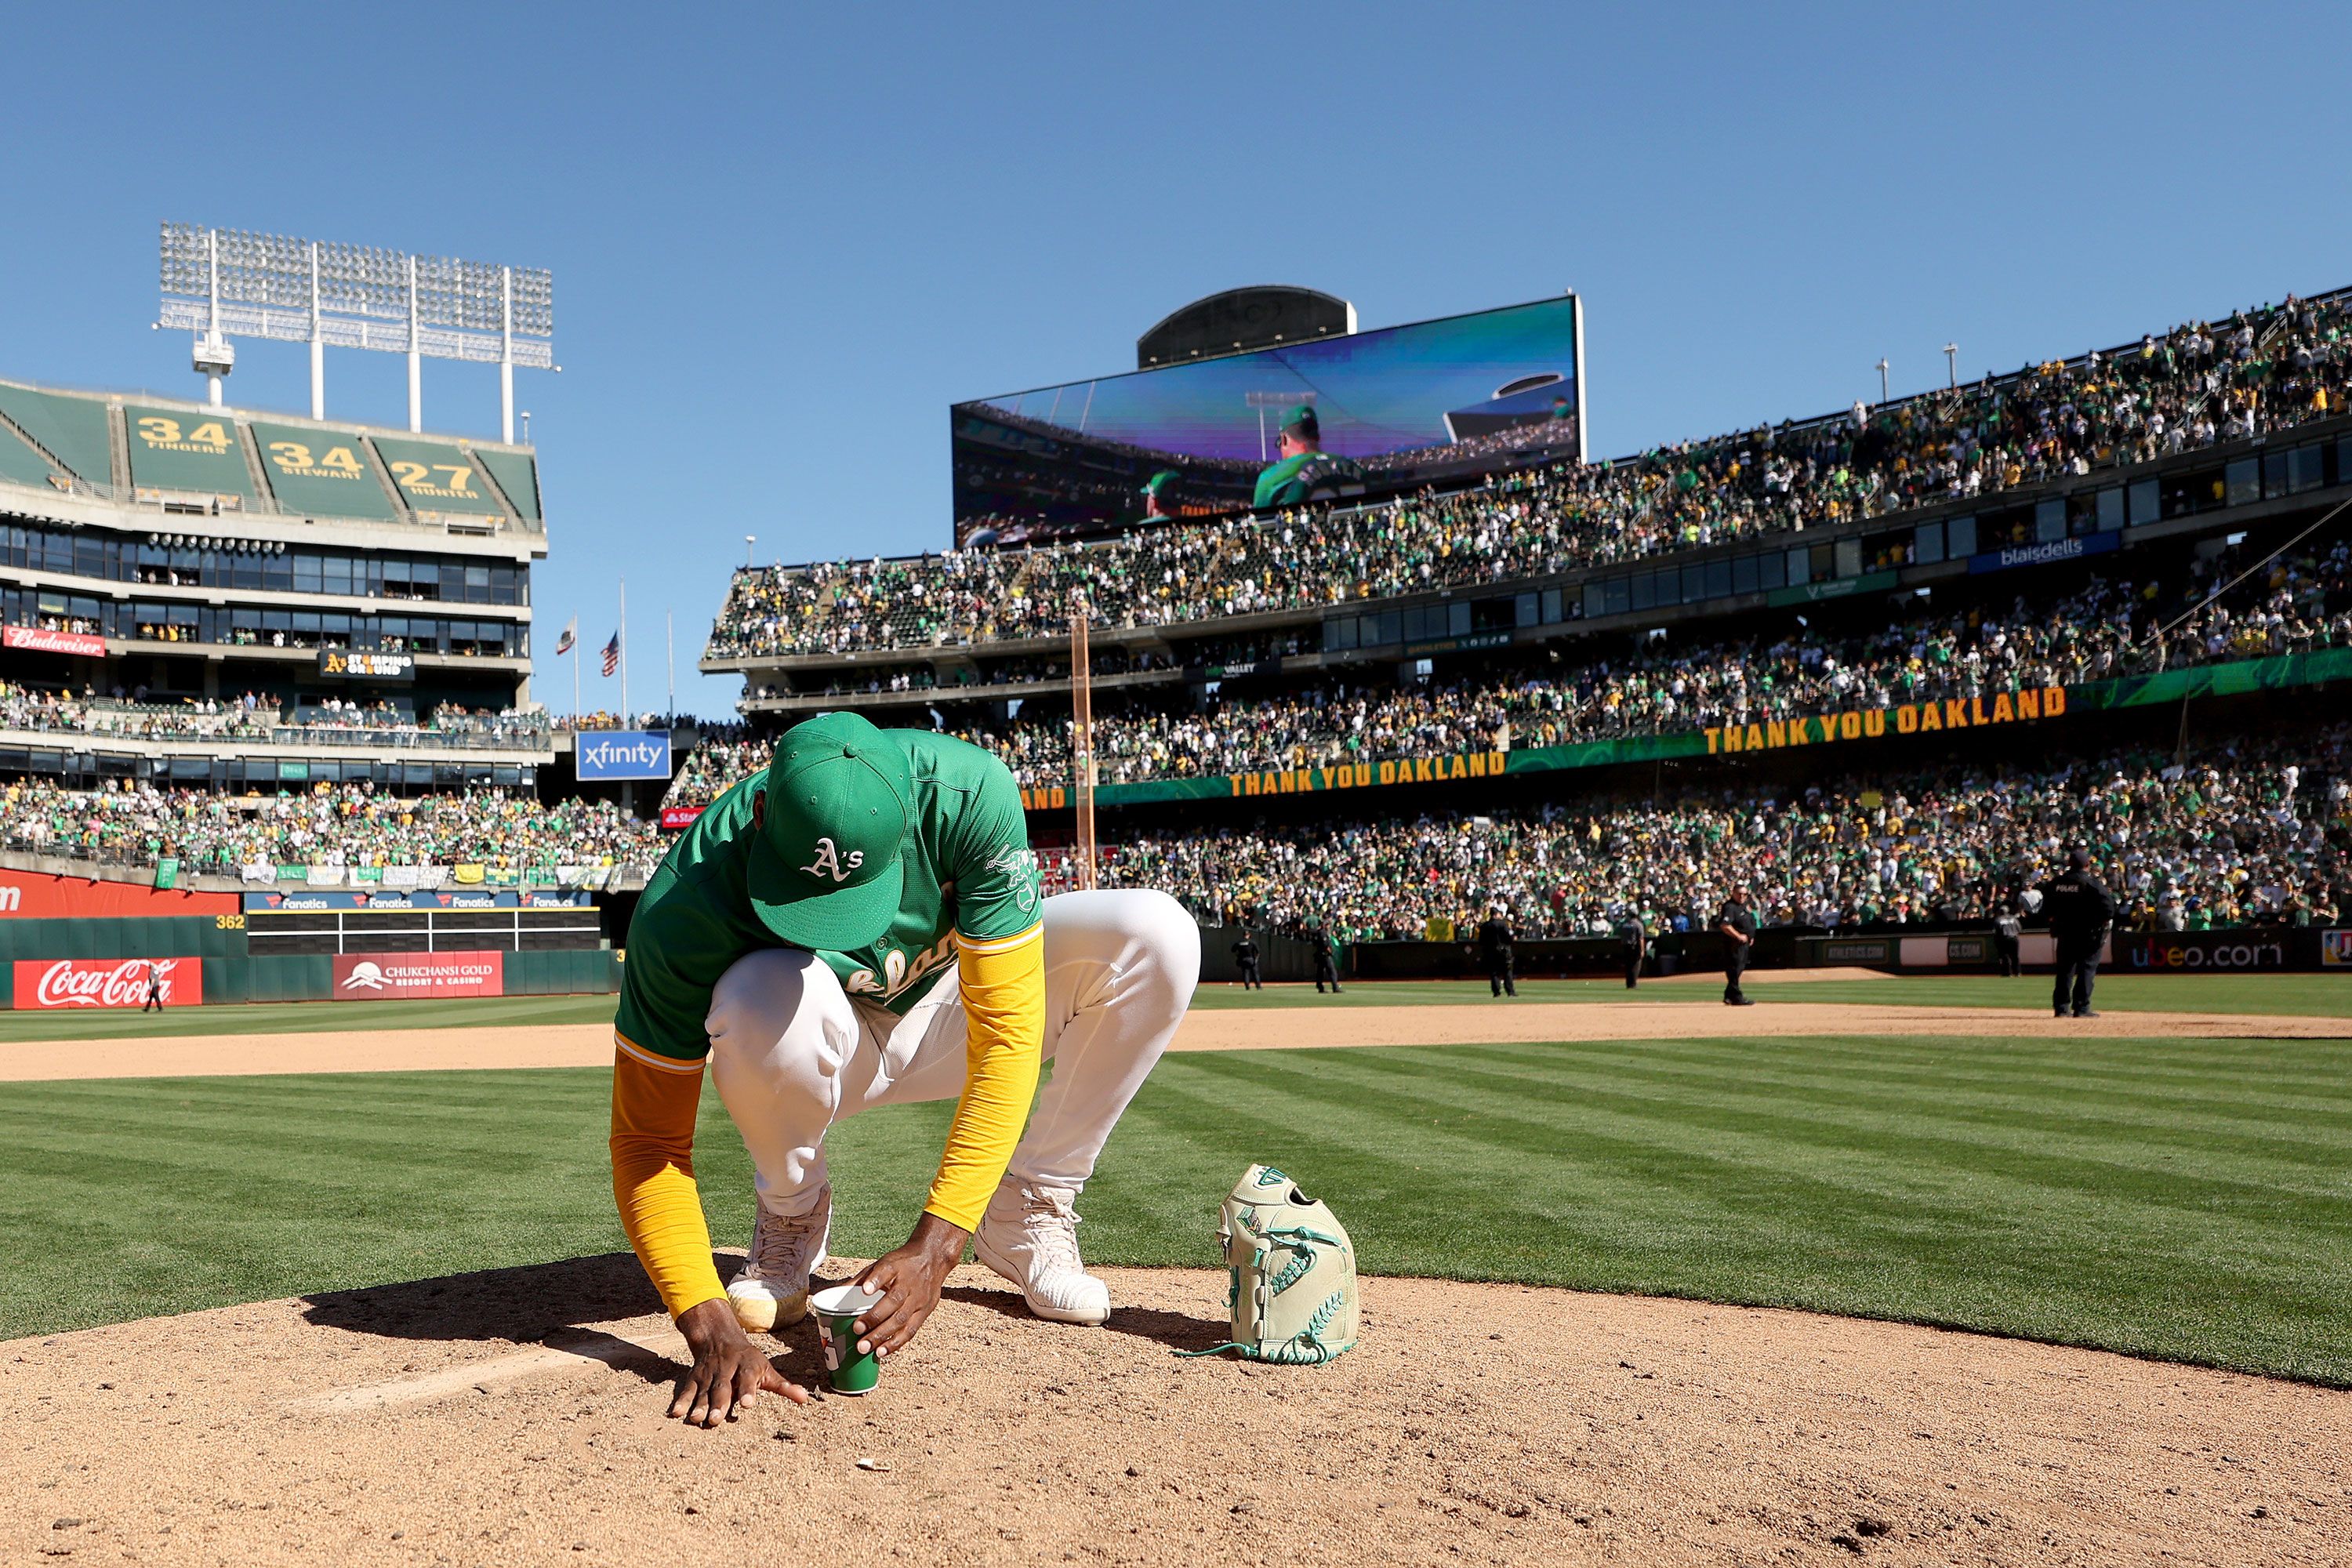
{"x":622,"y":754}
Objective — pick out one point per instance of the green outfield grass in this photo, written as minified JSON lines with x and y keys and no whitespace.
{"x":2185,"y":1199}
{"x":2321,"y":996}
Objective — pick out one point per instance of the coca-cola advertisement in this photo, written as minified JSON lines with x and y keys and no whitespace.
{"x":368,"y":976}
{"x":34,"y":639}
{"x":108,"y":982}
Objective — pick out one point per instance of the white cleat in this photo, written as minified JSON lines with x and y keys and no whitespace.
{"x":1030,"y":1235}
{"x":772,"y":1291}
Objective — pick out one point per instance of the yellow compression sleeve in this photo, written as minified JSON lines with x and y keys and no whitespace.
{"x":653,"y":1103}
{"x":1004,"y":990}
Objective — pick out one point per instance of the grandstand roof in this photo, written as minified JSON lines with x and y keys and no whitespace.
{"x":144,"y":450}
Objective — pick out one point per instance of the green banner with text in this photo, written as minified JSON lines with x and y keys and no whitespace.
{"x":2033,"y":705}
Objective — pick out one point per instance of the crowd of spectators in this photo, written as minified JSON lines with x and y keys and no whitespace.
{"x":2258,"y":834}
{"x":262,"y":716}
{"x":345,"y":826}
{"x":2104,"y":629}
{"x":2265,"y":369}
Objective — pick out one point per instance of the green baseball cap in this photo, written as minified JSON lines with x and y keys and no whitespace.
{"x":1300,"y":417}
{"x":1160,"y":481}
{"x":826,"y":870}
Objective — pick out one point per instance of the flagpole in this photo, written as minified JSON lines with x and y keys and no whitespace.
{"x":669,"y":641}
{"x":575,"y":684}
{"x":624,"y":650}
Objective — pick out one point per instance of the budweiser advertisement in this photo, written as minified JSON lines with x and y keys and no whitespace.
{"x":363,"y":976}
{"x":33,"y":639}
{"x":37,"y":895}
{"x":107,"y":982}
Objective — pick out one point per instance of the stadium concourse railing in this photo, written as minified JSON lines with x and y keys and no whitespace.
{"x":539,"y":746}
{"x":1943,"y":401}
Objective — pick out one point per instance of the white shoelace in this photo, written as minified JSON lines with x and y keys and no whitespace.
{"x":1052,"y":1229}
{"x":780,"y":1244}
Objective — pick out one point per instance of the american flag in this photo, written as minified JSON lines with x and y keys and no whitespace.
{"x":612,"y":654}
{"x":563,"y":643}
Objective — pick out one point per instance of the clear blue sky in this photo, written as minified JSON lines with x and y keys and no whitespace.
{"x":785,"y":239}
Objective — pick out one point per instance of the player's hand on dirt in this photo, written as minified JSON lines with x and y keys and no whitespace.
{"x":909,"y":1279}
{"x":729,"y":1373}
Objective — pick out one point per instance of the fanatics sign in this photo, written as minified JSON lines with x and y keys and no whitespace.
{"x":107,"y":982}
{"x":360,"y":977}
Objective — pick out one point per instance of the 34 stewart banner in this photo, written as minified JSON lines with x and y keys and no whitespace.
{"x":106,"y":981}
{"x":2037,"y":705}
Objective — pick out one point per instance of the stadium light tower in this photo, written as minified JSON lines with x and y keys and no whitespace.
{"x":1952,"y":365}
{"x":1882,"y":395}
{"x":218,"y":282}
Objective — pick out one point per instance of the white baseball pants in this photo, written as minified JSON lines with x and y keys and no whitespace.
{"x":792,"y":1052}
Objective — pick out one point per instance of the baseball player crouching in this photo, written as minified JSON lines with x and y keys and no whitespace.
{"x":858,"y":925}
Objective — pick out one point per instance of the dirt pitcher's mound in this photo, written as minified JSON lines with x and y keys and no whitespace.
{"x":517,"y":1418}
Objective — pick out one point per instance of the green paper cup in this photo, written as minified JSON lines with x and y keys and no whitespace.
{"x":838,"y":1311}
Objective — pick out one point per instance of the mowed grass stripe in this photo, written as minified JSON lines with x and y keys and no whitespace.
{"x":2318,"y":1135}
{"x":1703,"y":1164}
{"x":1604,"y":1166}
{"x":1961,"y":1065}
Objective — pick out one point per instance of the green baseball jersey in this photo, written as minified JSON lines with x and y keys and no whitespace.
{"x":1295,"y":479}
{"x":968,"y":868}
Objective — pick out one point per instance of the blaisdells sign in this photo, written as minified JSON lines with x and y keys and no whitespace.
{"x":33,"y":639}
{"x":364,"y":976}
{"x":107,"y":982}
{"x":621,"y":754}
{"x":2043,"y":554}
{"x":359,"y":664}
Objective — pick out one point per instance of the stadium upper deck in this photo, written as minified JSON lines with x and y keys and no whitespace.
{"x":164,"y":563}
{"x":2150,"y":436}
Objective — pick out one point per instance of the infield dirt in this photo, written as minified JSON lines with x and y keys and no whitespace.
{"x":1468,"y":1023}
{"x":518,"y":1418}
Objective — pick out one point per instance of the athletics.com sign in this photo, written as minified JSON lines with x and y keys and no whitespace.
{"x":621,"y":754}
{"x":107,"y":982}
{"x":365,"y":976}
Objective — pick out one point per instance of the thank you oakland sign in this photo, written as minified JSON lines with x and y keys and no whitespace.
{"x":1905,"y":718}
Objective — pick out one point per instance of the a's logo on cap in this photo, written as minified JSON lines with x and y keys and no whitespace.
{"x":828,"y":862}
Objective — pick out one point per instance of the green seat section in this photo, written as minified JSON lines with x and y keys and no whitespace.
{"x":320,"y":473}
{"x":186,"y":449}
{"x":517,"y":475}
{"x":435,"y":476}
{"x":71,"y":429}
{"x":19,"y":464}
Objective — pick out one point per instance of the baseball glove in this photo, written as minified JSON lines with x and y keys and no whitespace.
{"x":1293,"y":1270}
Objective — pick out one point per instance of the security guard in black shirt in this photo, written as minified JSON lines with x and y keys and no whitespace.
{"x":1246,"y":955}
{"x":1494,"y":948}
{"x":2080,"y":911}
{"x":1738,"y":929}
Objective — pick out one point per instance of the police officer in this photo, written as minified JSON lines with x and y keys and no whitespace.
{"x":1327,"y":966}
{"x":1738,"y":928}
{"x":2007,"y":927}
{"x":1635,"y":942}
{"x":1246,"y":954}
{"x":1495,"y":950}
{"x":2080,"y":911}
